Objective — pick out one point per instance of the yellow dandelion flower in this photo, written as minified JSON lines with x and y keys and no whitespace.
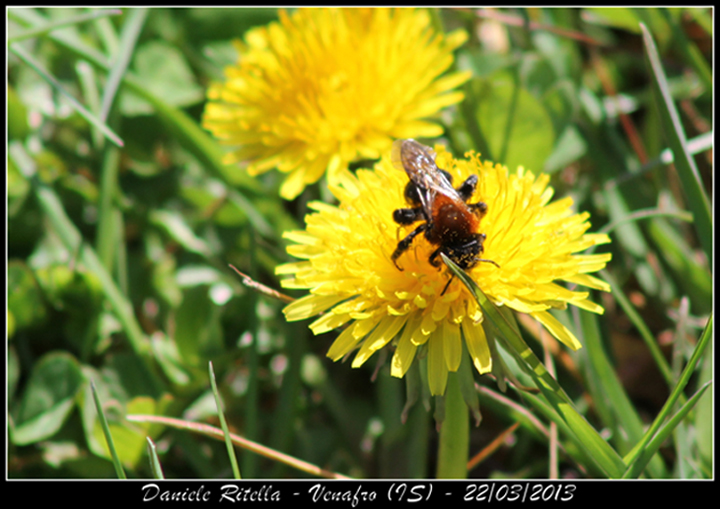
{"x":322,"y":88}
{"x":347,"y":266}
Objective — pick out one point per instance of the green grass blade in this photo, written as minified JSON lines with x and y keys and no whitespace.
{"x":33,"y":19}
{"x":648,"y":451}
{"x":286,"y":411}
{"x":252,"y":394}
{"x":131,"y":32}
{"x":454,"y":436}
{"x":108,"y":437}
{"x":180,"y":125}
{"x":697,"y":199}
{"x":644,"y":214}
{"x":579,"y":454}
{"x":689,"y":50}
{"x":704,"y":422}
{"x":154,"y":460}
{"x":109,"y":234}
{"x":638,"y":451}
{"x":89,"y":83}
{"x":223,"y":424}
{"x":49,"y":27}
{"x":693,"y":276}
{"x":82,"y":111}
{"x":640,"y":325}
{"x":606,"y":459}
{"x":612,"y":401}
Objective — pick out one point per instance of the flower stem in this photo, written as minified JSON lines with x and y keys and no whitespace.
{"x":454,"y":434}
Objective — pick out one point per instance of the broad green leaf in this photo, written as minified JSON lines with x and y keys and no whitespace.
{"x":169,"y":359}
{"x":78,"y":296}
{"x":130,"y":377}
{"x":25,"y":301}
{"x":71,"y":238}
{"x":13,"y":373}
{"x":17,"y":116}
{"x":129,"y":438}
{"x":48,"y":398}
{"x":161,"y":69}
{"x":213,"y":195}
{"x":629,"y":18}
{"x":177,"y":228}
{"x":618,"y":17}
{"x":516,"y":126}
{"x":570,"y":147}
{"x":197,"y":331}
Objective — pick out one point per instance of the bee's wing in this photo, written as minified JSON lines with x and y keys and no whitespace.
{"x":418,"y":161}
{"x":412,"y":156}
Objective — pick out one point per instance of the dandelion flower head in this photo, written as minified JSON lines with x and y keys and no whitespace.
{"x":322,"y":88}
{"x":346,"y":265}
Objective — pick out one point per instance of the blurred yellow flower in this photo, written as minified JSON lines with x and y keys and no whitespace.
{"x":347,"y":267}
{"x":322,"y":88}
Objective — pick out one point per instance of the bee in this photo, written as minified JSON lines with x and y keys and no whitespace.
{"x":448,"y":221}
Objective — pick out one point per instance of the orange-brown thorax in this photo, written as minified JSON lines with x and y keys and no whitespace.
{"x":451,"y":219}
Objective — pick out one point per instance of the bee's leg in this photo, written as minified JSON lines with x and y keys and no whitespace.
{"x":479,"y":208}
{"x":404,"y":244}
{"x":407,"y":216}
{"x":467,"y":188}
{"x":447,"y":285}
{"x":434,"y":257}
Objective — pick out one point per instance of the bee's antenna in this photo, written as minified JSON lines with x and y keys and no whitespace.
{"x":488,"y":261}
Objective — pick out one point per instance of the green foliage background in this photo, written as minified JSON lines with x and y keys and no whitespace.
{"x":118,"y":255}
